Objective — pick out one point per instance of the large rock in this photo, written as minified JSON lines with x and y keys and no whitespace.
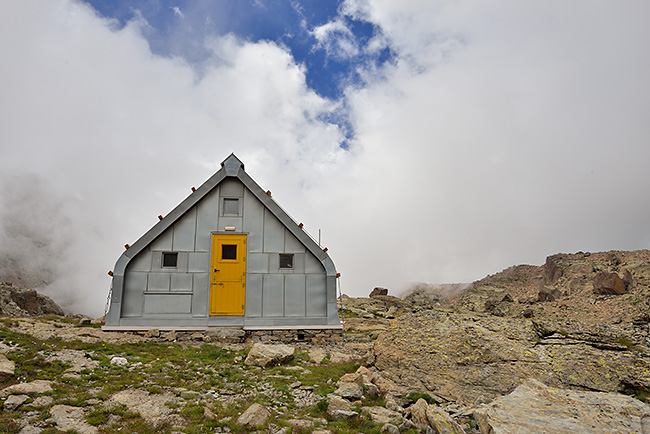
{"x":419,"y":414}
{"x":14,"y":401}
{"x":534,"y":407}
{"x":255,"y":415}
{"x":33,"y":388}
{"x":462,"y":357}
{"x":378,"y":291}
{"x":349,"y":391}
{"x":382,"y":415}
{"x":7,"y":367}
{"x":269,"y":355}
{"x":609,"y":284}
{"x":25,"y":302}
{"x":338,"y":403}
{"x":69,"y":418}
{"x":441,"y":422}
{"x":154,"y":408}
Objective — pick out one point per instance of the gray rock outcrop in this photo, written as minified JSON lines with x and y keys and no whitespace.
{"x":462,"y":357}
{"x":24,"y":302}
{"x":70,"y":418}
{"x":534,"y":407}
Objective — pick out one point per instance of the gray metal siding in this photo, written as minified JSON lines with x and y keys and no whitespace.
{"x":257,"y":263}
{"x":132,"y":296}
{"x":273,"y":295}
{"x":291,"y":244}
{"x":253,"y":222}
{"x":185,"y":232}
{"x":181,"y":282}
{"x":159,"y":282}
{"x":164,"y":242}
{"x":254,"y":295}
{"x":171,"y":303}
{"x":142,"y":262}
{"x":199,"y":262}
{"x":273,"y":234}
{"x":200,"y":294}
{"x":180,"y":295}
{"x":294,"y":295}
{"x":316,"y":295}
{"x":207,"y":214}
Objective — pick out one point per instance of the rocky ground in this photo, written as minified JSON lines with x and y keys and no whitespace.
{"x":560,"y":348}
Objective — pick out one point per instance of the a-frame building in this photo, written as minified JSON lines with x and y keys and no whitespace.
{"x":227,"y":256}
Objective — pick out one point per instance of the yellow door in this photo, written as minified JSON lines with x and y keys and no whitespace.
{"x":228,"y":275}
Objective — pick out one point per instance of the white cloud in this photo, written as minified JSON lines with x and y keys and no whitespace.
{"x":336,"y":39}
{"x":500,"y":134}
{"x":178,"y":12}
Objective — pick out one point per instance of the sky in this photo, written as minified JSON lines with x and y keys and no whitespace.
{"x":428,"y":141}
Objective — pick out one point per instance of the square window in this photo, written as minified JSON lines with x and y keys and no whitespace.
{"x":170,"y":260}
{"x":229,"y":251}
{"x":286,"y":260}
{"x":231,"y":207}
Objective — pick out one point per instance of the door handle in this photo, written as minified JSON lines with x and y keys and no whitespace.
{"x":216,"y":270}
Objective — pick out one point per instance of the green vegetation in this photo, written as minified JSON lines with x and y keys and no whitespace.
{"x":186,"y":372}
{"x":416,"y":396}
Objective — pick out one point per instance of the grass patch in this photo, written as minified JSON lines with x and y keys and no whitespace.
{"x":628,"y":344}
{"x":415,"y":396}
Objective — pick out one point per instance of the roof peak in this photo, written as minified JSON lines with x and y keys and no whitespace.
{"x":232,"y":164}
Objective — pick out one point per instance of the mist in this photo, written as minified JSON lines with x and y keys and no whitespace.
{"x":498,"y":136}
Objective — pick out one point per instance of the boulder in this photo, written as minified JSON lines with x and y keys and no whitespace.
{"x":69,"y":418}
{"x":344,"y":414}
{"x":609,"y":284}
{"x":349,"y":391}
{"x":419,"y":414}
{"x":7,"y":367}
{"x":269,"y":355}
{"x":32,"y":388}
{"x":119,"y":361}
{"x":255,"y":415}
{"x":14,"y":401}
{"x":534,"y":407}
{"x":548,"y":294}
{"x":441,"y":422}
{"x":317,"y":355}
{"x":389,"y":428}
{"x":378,"y":291}
{"x":337,"y":403}
{"x":352,"y":377}
{"x":382,"y":415}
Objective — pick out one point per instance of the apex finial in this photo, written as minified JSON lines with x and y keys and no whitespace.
{"x":232,"y":165}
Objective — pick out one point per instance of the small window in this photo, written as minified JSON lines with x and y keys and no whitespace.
{"x":229,"y":251}
{"x":286,"y":260}
{"x":170,"y":260}
{"x":231,"y":207}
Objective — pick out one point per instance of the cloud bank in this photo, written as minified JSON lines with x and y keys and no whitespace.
{"x":499,"y":134}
